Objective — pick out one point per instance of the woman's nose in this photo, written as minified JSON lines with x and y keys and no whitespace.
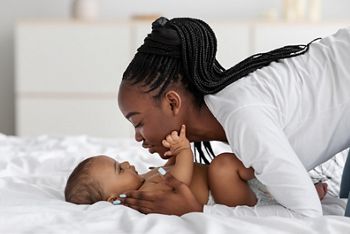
{"x":138,"y":136}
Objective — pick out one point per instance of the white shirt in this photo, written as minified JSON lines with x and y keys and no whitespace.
{"x":287,"y":118}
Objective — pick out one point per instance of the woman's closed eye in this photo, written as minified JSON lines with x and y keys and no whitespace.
{"x":140,"y":124}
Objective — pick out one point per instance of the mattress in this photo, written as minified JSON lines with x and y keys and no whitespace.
{"x":33,"y":173}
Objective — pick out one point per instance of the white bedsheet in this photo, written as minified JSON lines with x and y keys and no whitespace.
{"x":33,"y":173}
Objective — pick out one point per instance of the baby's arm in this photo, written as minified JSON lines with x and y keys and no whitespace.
{"x":227,"y":180}
{"x":170,"y":162}
{"x":180,"y":149}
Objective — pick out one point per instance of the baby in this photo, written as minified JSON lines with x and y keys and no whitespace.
{"x":225,"y":181}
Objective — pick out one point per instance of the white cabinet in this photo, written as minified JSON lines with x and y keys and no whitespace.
{"x":67,"y":77}
{"x":139,"y":31}
{"x":268,"y":36}
{"x":233,"y":42}
{"x":58,"y":115}
{"x":68,"y":73}
{"x":71,"y":57}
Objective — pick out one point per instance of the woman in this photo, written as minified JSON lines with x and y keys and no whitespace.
{"x":282,"y":112}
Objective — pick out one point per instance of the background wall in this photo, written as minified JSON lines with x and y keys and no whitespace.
{"x":12,"y":10}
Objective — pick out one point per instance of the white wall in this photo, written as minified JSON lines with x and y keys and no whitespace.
{"x":12,"y":10}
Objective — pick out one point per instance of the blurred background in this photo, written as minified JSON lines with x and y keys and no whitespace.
{"x":61,"y":60}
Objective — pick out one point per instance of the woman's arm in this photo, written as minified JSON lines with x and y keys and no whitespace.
{"x":180,"y":150}
{"x":259,"y":142}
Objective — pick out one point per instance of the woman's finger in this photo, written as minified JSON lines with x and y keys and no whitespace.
{"x":137,"y":204}
{"x":144,"y":201}
{"x":143,"y":210}
{"x":141,"y":195}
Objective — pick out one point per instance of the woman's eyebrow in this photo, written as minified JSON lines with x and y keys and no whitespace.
{"x":131,"y":114}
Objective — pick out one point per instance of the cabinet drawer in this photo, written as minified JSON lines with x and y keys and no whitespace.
{"x":99,"y":117}
{"x":71,"y":57}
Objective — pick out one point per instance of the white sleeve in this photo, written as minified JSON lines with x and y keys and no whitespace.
{"x":255,"y":136}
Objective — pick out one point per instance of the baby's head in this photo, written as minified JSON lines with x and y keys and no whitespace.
{"x":100,"y":178}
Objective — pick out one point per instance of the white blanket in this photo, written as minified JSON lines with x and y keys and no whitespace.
{"x":33,"y":173}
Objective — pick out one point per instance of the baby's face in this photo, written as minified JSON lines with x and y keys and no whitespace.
{"x":114,"y":177}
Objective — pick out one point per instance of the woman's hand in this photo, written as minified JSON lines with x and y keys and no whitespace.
{"x":174,"y":199}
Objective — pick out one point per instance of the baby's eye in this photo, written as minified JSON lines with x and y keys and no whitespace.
{"x":118,"y":169}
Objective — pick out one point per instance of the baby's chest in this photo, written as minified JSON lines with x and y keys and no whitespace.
{"x":153,"y":182}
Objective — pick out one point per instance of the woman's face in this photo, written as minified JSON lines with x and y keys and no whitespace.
{"x":152,"y":120}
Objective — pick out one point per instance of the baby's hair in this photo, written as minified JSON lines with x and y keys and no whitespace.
{"x":184,"y":49}
{"x":80,"y":187}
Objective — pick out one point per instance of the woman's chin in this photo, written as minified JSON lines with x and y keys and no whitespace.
{"x":164,"y":157}
{"x":160,"y":152}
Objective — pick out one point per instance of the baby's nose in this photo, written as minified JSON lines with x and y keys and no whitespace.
{"x":126,"y":164}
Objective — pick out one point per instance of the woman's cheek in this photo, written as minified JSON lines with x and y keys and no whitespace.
{"x":160,"y":150}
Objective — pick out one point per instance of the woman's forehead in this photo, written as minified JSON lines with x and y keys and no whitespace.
{"x":127,"y":87}
{"x":133,"y":96}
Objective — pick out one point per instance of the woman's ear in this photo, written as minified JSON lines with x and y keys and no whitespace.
{"x":173,"y":101}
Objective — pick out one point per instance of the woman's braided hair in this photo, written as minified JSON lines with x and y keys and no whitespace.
{"x":184,"y":49}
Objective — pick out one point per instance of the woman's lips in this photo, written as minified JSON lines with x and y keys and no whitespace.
{"x":149,"y":147}
{"x":146,"y":146}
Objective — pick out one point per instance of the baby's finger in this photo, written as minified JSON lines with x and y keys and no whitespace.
{"x":174,"y":134}
{"x":168,"y":153}
{"x":165,"y":143}
{"x":169,"y":139}
{"x":183,"y":131}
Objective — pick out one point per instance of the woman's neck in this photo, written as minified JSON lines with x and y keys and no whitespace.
{"x":201,"y":125}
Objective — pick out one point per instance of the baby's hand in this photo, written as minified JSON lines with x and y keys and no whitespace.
{"x":176,"y":143}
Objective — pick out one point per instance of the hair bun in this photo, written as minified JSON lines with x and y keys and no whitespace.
{"x":160,"y":22}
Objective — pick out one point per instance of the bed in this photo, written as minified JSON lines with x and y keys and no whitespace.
{"x":33,"y":173}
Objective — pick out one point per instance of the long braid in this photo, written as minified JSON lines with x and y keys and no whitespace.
{"x":184,"y":49}
{"x":204,"y":71}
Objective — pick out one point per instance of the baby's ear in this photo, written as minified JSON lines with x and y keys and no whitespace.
{"x":112,"y":197}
